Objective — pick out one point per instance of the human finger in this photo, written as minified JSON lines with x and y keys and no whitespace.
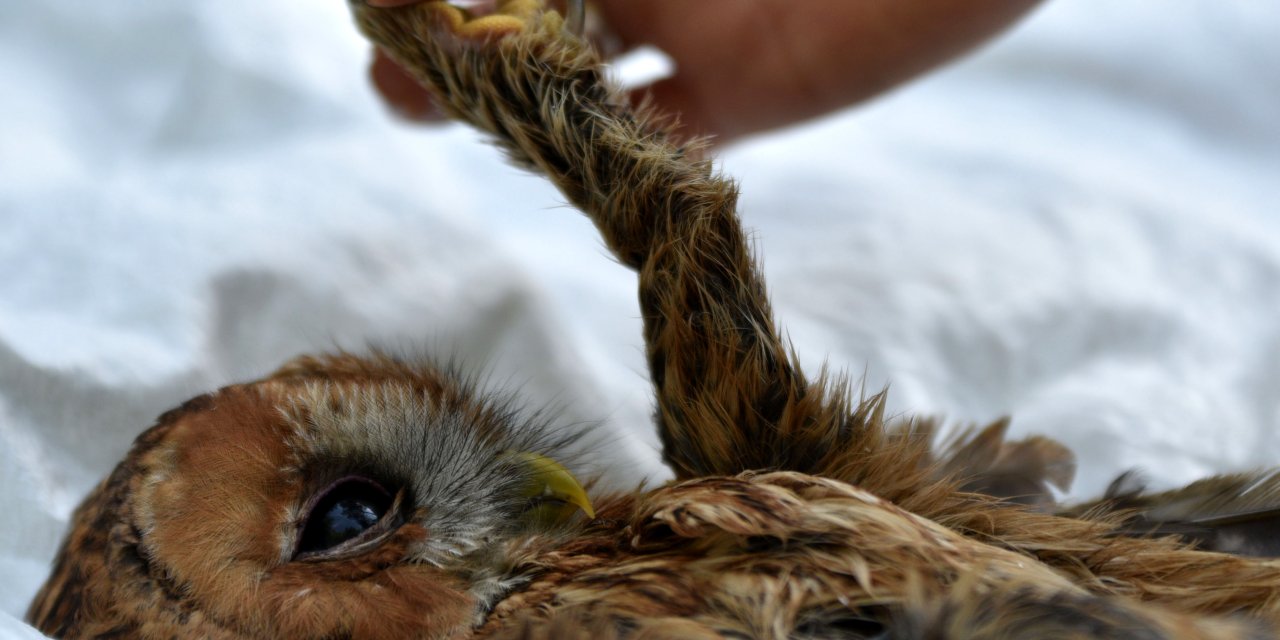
{"x":401,"y":91}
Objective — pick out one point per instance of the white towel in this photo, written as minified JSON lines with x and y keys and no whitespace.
{"x":1076,"y":226}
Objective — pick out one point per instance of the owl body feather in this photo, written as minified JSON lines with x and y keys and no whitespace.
{"x":798,"y":511}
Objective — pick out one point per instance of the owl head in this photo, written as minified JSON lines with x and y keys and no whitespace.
{"x":339,"y":497}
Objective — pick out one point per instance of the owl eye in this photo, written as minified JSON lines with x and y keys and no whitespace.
{"x":351,"y":511}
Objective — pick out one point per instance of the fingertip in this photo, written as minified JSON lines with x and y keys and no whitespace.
{"x":670,"y":96}
{"x":401,"y":91}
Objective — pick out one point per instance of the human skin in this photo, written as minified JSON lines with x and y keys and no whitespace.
{"x":745,"y":66}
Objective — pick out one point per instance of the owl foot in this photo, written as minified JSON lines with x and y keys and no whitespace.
{"x":509,"y":18}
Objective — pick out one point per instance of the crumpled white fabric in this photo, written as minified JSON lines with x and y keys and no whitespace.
{"x":1077,"y":227}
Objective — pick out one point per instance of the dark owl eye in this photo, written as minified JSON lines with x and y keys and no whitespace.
{"x":350,"y":508}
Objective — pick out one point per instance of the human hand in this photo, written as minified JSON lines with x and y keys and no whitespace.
{"x":744,"y":66}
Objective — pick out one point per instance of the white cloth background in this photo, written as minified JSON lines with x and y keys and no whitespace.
{"x":1078,"y":227}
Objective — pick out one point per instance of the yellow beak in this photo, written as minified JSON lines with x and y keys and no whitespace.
{"x":554,"y":492}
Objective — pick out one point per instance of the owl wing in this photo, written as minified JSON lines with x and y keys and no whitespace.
{"x":1026,"y":471}
{"x":1235,"y":513}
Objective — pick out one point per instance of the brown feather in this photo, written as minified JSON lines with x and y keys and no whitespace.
{"x":1024,"y":471}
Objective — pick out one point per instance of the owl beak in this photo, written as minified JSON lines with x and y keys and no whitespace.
{"x":554,"y":494}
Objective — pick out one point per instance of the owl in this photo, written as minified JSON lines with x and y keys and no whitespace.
{"x":375,"y":496}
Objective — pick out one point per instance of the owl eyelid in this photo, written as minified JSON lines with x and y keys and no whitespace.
{"x":361,"y":543}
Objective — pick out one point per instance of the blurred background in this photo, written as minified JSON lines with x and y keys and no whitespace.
{"x":1077,"y":227}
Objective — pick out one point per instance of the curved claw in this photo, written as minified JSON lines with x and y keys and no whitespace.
{"x":575,"y":16}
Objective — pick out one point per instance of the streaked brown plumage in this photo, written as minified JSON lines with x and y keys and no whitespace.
{"x":796,"y":512}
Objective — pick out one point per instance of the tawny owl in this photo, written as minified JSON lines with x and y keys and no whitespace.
{"x":364,"y":496}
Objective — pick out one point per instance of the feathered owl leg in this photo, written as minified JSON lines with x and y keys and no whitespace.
{"x":730,"y":395}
